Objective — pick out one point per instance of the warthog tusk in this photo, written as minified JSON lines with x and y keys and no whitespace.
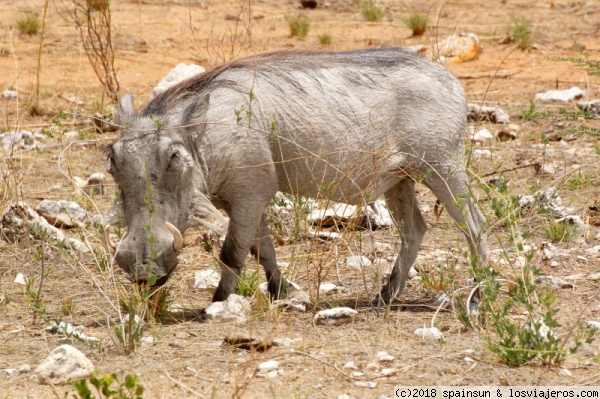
{"x":109,"y":243}
{"x":177,"y":237}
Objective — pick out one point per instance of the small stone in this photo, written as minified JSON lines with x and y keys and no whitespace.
{"x":566,"y":372}
{"x":350,"y":365}
{"x":10,"y":94}
{"x":381,"y":247}
{"x":478,"y":154}
{"x":431,"y":333}
{"x":574,"y":93}
{"x":325,"y":235}
{"x":358,"y":374}
{"x":594,"y":324}
{"x":24,"y":369}
{"x":64,"y":364}
{"x":20,"y":279}
{"x":554,"y":282}
{"x":176,"y":75}
{"x":413,"y":273}
{"x":383,"y":356}
{"x":327,"y":287}
{"x":234,"y":309}
{"x":389,"y":371}
{"x":204,"y":279}
{"x":492,"y":114}
{"x":268,"y":365}
{"x":365,"y":384}
{"x":358,"y":262}
{"x":482,"y":136}
{"x":335,"y":316}
{"x":553,"y":263}
{"x":343,"y":396}
{"x":63,"y":214}
{"x":10,"y":372}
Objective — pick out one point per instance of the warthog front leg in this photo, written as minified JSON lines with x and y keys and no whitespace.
{"x":246,"y":234}
{"x":264,"y":251}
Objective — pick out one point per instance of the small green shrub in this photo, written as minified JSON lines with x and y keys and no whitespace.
{"x":29,"y":23}
{"x":247,"y":284}
{"x":371,"y":12}
{"x":522,"y":33}
{"x":299,"y":26}
{"x":325,"y":39}
{"x":128,"y":389}
{"x":562,"y":231}
{"x":417,"y":23}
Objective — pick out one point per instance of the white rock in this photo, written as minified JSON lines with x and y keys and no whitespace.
{"x":566,"y":372}
{"x":268,"y":365}
{"x":482,"y":136}
{"x":366,"y":384}
{"x":431,"y":333}
{"x":380,"y":216}
{"x":357,"y":262}
{"x":176,"y":75}
{"x":62,"y":214}
{"x":20,"y":279}
{"x":350,"y":365}
{"x":479,"y":154}
{"x":63,"y":365}
{"x":553,"y":263}
{"x":10,"y":94}
{"x":10,"y":372}
{"x":17,"y":140}
{"x":335,"y":316}
{"x":95,"y":184}
{"x":573,"y":220}
{"x":70,"y":331}
{"x":548,"y":251}
{"x":381,"y":247}
{"x":553,"y":281}
{"x":327,"y":287}
{"x":358,"y":374}
{"x":298,"y":300}
{"x":574,"y":93}
{"x":388,"y":371}
{"x":75,"y":100}
{"x":325,"y":235}
{"x":21,"y":219}
{"x":383,"y":356}
{"x":413,"y":273}
{"x":343,"y":396}
{"x":206,"y":279}
{"x":234,"y":309}
{"x":592,"y":107}
{"x":594,"y":324}
{"x":594,"y":250}
{"x":493,"y":114}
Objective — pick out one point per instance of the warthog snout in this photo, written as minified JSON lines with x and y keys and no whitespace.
{"x":148,"y":259}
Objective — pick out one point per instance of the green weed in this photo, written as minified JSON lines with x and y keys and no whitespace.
{"x":523,"y":33}
{"x":417,"y":23}
{"x":299,"y":26}
{"x":371,"y":12}
{"x":325,"y":39}
{"x":131,"y":388}
{"x":29,"y":24}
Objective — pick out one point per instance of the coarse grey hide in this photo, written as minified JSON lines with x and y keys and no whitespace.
{"x":347,"y":126}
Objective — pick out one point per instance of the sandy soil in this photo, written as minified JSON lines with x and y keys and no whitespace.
{"x":187,"y":358}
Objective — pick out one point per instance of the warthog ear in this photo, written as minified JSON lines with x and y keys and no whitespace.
{"x":126,"y":111}
{"x":195,"y":113}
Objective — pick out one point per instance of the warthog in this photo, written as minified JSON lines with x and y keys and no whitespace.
{"x":351,"y":126}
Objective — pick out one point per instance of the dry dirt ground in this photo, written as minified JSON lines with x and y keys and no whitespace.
{"x":187,"y":358}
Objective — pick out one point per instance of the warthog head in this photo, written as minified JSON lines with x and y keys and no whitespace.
{"x":154,"y":167}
